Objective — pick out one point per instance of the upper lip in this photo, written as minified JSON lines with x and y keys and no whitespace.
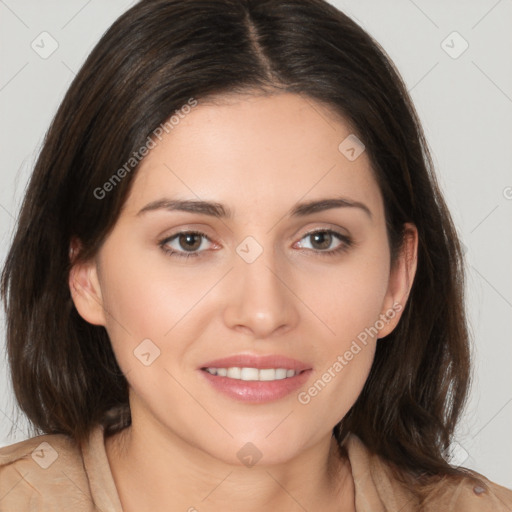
{"x":257,"y":361}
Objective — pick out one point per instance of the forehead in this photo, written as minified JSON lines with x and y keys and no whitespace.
{"x":247,"y":150}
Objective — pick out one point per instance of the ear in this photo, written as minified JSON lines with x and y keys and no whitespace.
{"x":400,"y":281}
{"x":85,"y":287}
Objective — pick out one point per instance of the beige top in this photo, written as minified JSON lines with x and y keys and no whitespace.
{"x":50,"y":473}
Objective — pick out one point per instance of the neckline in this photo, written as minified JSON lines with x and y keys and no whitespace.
{"x":101,"y":481}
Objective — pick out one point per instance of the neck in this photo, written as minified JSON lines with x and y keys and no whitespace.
{"x":160,"y":471}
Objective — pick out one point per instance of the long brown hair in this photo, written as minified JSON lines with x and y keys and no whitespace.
{"x":153,"y":59}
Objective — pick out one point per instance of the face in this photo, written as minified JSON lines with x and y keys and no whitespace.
{"x":284,"y":280}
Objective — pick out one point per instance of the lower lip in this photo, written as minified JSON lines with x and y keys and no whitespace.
{"x":255,"y":391}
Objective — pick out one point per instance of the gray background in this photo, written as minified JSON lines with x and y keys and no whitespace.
{"x":463,"y":98}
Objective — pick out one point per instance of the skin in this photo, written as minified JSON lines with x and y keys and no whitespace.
{"x":259,"y":156}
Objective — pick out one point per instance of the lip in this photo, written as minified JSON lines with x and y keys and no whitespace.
{"x":256,"y":392}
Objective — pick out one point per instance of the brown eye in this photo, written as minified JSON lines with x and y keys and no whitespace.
{"x":326,"y":242}
{"x":189,"y":241}
{"x":321,"y":239}
{"x":185,"y":244}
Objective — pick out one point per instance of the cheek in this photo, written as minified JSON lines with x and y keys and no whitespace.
{"x":144,"y":293}
{"x":344,"y":354}
{"x":334,"y":389}
{"x":349,"y":298}
{"x":349,"y":302}
{"x":149,"y":297}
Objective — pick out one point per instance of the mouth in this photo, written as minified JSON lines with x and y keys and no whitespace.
{"x":256,"y":379}
{"x":253,"y":374}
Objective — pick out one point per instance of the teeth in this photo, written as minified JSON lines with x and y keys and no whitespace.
{"x":234,"y":373}
{"x":249,"y":374}
{"x":280,"y":373}
{"x":267,"y":374}
{"x":264,"y":374}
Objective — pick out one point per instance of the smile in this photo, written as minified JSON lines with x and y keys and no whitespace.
{"x":253,"y":374}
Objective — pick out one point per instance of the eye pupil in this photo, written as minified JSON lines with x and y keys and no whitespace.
{"x":321,"y":237}
{"x":187,"y":241}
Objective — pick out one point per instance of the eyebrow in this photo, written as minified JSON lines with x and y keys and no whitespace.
{"x":220,"y":211}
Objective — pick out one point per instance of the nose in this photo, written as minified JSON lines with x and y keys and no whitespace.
{"x":261,"y":299}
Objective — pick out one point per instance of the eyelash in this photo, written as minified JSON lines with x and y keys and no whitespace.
{"x":346,"y":244}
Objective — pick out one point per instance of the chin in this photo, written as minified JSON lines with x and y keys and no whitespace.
{"x":262,"y":448}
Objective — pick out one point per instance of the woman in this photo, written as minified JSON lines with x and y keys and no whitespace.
{"x":235,"y":283}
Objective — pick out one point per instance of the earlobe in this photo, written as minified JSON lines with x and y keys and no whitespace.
{"x":400,"y":280}
{"x":85,"y":290}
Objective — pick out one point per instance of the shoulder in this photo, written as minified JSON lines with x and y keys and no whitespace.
{"x":43,"y":473}
{"x":375,"y":476}
{"x":477,"y":494}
